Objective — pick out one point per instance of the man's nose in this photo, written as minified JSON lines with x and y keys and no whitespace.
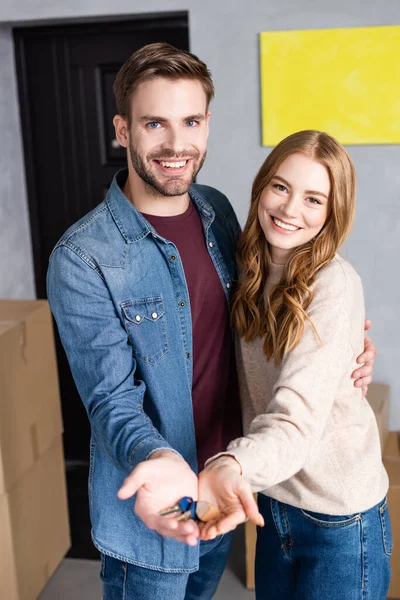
{"x":175,"y":139}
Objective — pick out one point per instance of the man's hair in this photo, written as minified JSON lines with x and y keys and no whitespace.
{"x":158,"y":60}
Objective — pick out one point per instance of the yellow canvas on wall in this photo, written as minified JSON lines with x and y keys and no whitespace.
{"x":342,"y":81}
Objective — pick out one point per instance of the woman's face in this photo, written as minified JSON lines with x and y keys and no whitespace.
{"x":293,"y":207}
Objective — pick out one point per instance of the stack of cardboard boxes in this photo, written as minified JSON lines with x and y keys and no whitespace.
{"x":33,"y":508}
{"x":391,"y":460}
{"x":378,"y":397}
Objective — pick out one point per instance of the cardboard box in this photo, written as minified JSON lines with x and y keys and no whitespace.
{"x":392,"y":466}
{"x":392,"y":446}
{"x":250,"y":532}
{"x":378,"y":397}
{"x":30,"y":410}
{"x":34,"y":527}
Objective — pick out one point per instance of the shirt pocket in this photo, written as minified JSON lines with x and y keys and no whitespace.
{"x":146,"y":325}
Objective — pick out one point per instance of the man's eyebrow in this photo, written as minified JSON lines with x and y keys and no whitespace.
{"x":198,"y":117}
{"x":151,"y":118}
{"x":314,"y":192}
{"x":154,"y":118}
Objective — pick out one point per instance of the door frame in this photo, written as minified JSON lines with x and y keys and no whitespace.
{"x":64,"y":26}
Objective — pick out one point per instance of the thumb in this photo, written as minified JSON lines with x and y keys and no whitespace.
{"x":133,"y":482}
{"x":250,"y":506}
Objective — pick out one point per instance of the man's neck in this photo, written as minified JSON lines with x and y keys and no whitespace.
{"x":149,"y":202}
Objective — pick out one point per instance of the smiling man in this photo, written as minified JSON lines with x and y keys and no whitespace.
{"x":140,"y":289}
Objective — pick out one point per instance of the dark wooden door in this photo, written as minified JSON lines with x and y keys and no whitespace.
{"x":65,"y":76}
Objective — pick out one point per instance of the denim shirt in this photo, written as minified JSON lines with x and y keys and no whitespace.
{"x":122,"y":308}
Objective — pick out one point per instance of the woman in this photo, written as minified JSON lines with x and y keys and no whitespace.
{"x":311,"y":446}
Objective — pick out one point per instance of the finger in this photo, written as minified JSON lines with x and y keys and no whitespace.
{"x":208,"y":530}
{"x":369,"y":345}
{"x":190,"y":540}
{"x":365,"y":371}
{"x":362,"y":382}
{"x":367,"y":324}
{"x":172,"y":528}
{"x":228,"y":523}
{"x":250,"y":506}
{"x":366,"y":357}
{"x":210,"y":533}
{"x":189,"y":527}
{"x":133,"y":482}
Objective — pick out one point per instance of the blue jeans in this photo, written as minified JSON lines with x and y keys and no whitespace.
{"x":125,"y":581}
{"x":303,"y":555}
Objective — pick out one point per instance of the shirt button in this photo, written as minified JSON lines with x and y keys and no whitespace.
{"x":228,"y":285}
{"x":137,"y":317}
{"x":182,"y":303}
{"x":154,"y":315}
{"x":187,"y":354}
{"x":173,"y":257}
{"x":210,"y":244}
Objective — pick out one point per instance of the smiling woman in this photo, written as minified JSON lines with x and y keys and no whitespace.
{"x":311,"y":445}
{"x":302,"y":208}
{"x":289,"y":216}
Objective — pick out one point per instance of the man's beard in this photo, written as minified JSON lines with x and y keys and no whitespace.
{"x":175,"y":185}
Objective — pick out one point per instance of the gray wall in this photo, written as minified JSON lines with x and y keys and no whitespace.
{"x":16,"y":269}
{"x":225,"y":35}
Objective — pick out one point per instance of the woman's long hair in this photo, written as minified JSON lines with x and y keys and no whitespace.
{"x":281,"y":321}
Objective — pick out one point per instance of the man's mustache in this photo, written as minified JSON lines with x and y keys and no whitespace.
{"x":171,"y":154}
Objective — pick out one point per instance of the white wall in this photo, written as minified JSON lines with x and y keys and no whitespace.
{"x":225,"y":34}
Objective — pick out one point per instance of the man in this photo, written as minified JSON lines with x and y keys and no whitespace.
{"x":140,"y":289}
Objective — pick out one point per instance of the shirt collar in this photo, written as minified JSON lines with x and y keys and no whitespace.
{"x":131,"y":223}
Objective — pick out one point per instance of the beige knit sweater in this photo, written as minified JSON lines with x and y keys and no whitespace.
{"x":311,"y":439}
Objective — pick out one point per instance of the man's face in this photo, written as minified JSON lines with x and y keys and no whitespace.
{"x":168,"y":134}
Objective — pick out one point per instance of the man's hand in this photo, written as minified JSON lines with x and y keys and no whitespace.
{"x":222,"y":485}
{"x":363,"y":375}
{"x":160,"y":482}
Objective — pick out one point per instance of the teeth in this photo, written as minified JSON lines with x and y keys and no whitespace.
{"x":173,"y":165}
{"x":284,"y":225}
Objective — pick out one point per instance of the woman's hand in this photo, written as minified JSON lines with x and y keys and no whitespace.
{"x":222,"y":484}
{"x":363,"y":375}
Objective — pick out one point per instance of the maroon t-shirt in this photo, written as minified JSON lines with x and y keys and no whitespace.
{"x":215,"y":395}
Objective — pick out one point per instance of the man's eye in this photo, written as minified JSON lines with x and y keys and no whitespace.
{"x":153,"y":125}
{"x":192,"y":123}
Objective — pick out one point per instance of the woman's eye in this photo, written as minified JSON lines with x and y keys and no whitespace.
{"x":314,"y":201}
{"x":279,"y":187}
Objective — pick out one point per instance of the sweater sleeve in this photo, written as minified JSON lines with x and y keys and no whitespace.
{"x":280,"y":440}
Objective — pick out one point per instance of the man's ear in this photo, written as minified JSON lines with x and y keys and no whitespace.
{"x":121,"y":131}
{"x":208,"y":115}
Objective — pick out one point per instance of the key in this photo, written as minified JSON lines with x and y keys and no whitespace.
{"x":185,"y":516}
{"x":171,"y":511}
{"x":187,"y":509}
{"x":183,"y":505}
